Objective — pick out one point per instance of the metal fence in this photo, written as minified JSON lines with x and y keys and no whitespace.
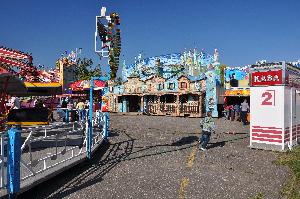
{"x":189,"y":109}
{"x":46,"y":150}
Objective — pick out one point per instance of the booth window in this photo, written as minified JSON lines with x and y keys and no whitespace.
{"x":160,"y":86}
{"x":171,"y":86}
{"x":183,"y":85}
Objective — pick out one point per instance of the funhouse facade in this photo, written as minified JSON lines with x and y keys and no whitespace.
{"x":180,"y":84}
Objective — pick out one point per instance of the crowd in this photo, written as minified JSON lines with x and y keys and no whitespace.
{"x":237,"y":112}
{"x":77,"y":107}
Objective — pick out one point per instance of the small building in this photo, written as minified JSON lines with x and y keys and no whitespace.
{"x":275,"y":105}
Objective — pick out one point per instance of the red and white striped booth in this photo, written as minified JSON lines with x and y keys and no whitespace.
{"x":275,"y":106}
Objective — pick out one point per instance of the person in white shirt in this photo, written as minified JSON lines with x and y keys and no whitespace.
{"x":244,"y":110}
{"x":15,"y":103}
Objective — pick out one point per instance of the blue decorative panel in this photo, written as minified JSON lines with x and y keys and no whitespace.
{"x":211,"y":96}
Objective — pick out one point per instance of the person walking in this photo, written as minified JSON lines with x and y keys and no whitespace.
{"x":244,"y":111}
{"x":208,"y":127}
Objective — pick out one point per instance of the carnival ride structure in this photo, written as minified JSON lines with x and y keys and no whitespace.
{"x":109,"y":34}
{"x":20,"y":64}
{"x":17,"y":66}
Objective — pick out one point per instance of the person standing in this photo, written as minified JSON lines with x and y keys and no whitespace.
{"x":237,"y":111}
{"x":230,"y":110}
{"x":81,"y":110}
{"x":15,"y":103}
{"x":208,"y":127}
{"x":64,"y":103}
{"x":244,"y":111}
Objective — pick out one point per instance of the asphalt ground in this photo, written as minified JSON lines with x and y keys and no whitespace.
{"x":158,"y":157}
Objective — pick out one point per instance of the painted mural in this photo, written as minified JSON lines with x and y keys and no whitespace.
{"x":236,"y":77}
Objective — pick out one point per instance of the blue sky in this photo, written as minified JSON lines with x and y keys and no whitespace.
{"x":243,"y":31}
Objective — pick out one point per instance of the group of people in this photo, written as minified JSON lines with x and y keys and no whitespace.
{"x":73,"y":105}
{"x":77,"y":107}
{"x":237,"y":112}
{"x":14,"y":102}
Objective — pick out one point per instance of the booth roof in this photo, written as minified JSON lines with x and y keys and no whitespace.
{"x":43,"y":88}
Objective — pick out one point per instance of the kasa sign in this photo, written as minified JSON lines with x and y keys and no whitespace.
{"x":266,"y":78}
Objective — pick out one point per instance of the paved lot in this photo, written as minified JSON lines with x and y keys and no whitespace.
{"x":157,"y":157}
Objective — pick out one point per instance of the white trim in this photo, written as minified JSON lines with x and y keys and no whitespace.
{"x":264,"y":142}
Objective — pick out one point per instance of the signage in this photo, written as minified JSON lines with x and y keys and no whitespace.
{"x":268,"y":98}
{"x":267,"y":78}
{"x":237,"y":92}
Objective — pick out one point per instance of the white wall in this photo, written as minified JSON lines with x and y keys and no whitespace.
{"x":267,"y":115}
{"x":292,"y":116}
{"x":298,"y":114}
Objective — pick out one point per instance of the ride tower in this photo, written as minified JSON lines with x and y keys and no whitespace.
{"x":108,"y":40}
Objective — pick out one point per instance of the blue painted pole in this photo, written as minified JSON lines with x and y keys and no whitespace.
{"x":67,"y":116}
{"x":105,"y":125}
{"x":90,"y":131}
{"x":145,"y":104}
{"x":13,"y":162}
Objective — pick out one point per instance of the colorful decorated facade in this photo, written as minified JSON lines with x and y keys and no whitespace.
{"x":180,"y":84}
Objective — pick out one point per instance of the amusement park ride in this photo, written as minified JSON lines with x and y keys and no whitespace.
{"x":18,"y":75}
{"x":18,"y":65}
{"x":109,"y":33}
{"x":22,"y":62}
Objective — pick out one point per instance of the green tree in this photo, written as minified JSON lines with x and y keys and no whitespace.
{"x":85,"y":71}
{"x":118,"y":81}
{"x":222,"y":74}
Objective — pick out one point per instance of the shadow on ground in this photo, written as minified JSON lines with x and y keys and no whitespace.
{"x":104,"y":160}
{"x":185,"y":140}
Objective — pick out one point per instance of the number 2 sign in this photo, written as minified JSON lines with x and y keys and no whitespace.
{"x":268,"y":98}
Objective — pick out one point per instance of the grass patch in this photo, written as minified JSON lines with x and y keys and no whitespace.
{"x":259,"y":195}
{"x":291,"y":190}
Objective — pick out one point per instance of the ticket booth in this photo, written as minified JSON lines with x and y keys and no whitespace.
{"x":275,"y":106}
